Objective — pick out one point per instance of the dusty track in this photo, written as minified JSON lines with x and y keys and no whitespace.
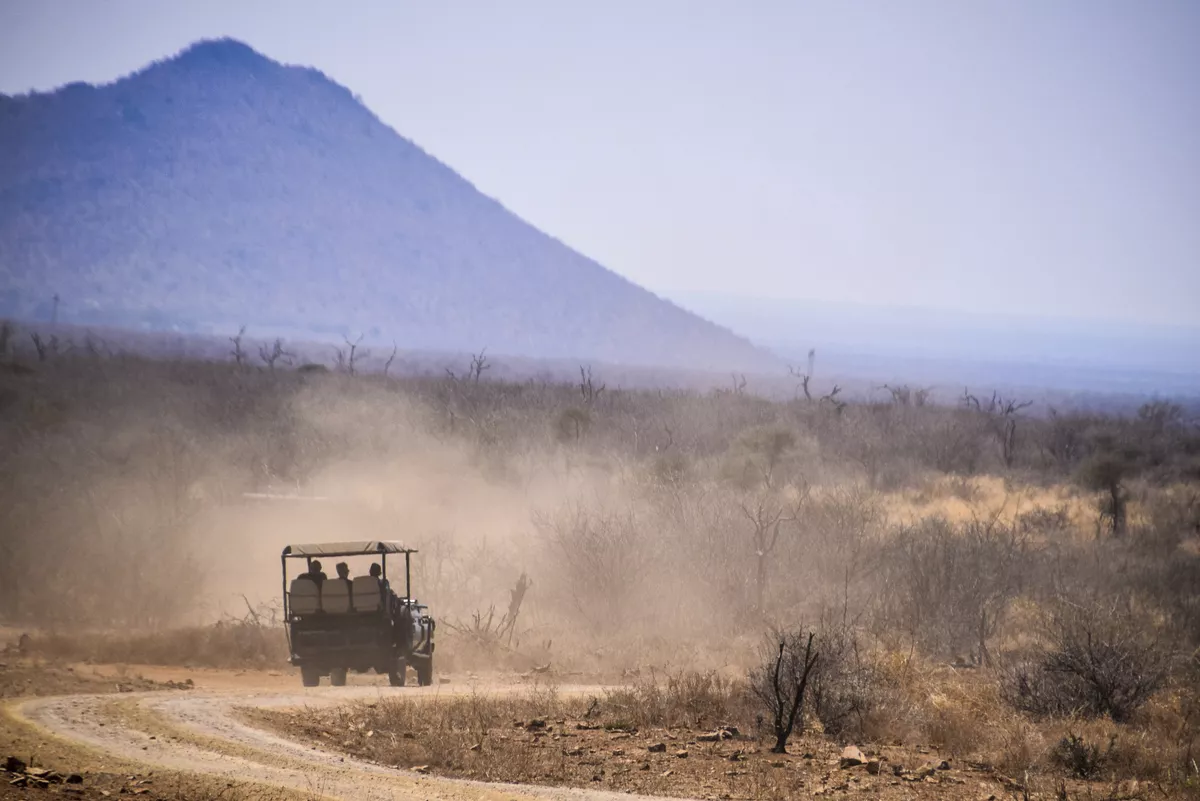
{"x":201,"y":732}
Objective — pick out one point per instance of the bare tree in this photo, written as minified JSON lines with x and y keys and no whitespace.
{"x":739,"y":383}
{"x":40,"y":346}
{"x":904,"y":395}
{"x":479,"y":364}
{"x":767,"y":513}
{"x":832,"y":398}
{"x":803,"y":378}
{"x":587,"y":389}
{"x":348,"y":358}
{"x":238,"y":354}
{"x":275,"y":353}
{"x":781,"y":682}
{"x":388,"y":364}
{"x":1001,"y":418}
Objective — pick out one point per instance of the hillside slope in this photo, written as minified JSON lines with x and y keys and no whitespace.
{"x":219,"y":188}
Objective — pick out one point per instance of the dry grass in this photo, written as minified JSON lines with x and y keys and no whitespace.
{"x":224,"y":645}
{"x":543,"y":736}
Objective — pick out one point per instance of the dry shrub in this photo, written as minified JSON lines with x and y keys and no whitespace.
{"x":681,"y":700}
{"x":1082,"y":758}
{"x":1098,"y":659}
{"x":846,"y":686}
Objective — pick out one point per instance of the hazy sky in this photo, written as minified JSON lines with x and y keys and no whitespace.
{"x":1036,"y":156}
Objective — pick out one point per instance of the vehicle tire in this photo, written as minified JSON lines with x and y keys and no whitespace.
{"x":337,"y":677}
{"x":310,"y":676}
{"x":398,"y":674}
{"x":425,"y":672}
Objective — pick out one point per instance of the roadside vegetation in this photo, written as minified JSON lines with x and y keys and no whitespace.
{"x":1008,"y":584}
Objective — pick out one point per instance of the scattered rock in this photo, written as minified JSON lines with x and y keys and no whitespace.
{"x":14,"y":765}
{"x":477,"y":747}
{"x":851,"y":757}
{"x":657,"y":748}
{"x":74,"y":778}
{"x":421,"y":769}
{"x":874,"y":766}
{"x":779,"y":764}
{"x":443,"y":680}
{"x":666,"y":773}
{"x":574,"y":752}
{"x":618,"y":752}
{"x":681,"y":754}
{"x":737,"y":756}
{"x":723,"y":733}
{"x":536,"y":723}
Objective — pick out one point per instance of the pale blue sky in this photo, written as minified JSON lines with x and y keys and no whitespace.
{"x":1030,"y":157}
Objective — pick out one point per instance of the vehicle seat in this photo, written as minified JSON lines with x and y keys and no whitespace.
{"x":305,"y":597}
{"x":335,"y":596}
{"x":367,"y":595}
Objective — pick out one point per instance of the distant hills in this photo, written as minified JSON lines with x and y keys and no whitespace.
{"x":220,"y":188}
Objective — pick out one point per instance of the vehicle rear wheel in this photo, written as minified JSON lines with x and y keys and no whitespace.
{"x":337,"y":677}
{"x":425,"y":671}
{"x":398,"y":674}
{"x":310,"y":677}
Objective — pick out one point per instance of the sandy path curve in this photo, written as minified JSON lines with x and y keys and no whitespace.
{"x":200,"y":732}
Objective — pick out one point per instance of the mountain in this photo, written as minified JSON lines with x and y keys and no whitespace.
{"x":220,"y":188}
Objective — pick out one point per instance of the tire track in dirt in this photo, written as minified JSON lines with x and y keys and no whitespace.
{"x":200,"y":732}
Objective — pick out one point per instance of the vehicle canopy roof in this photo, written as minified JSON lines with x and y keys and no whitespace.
{"x":355,"y":548}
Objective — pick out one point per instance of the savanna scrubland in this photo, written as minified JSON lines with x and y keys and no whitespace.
{"x":1008,"y":584}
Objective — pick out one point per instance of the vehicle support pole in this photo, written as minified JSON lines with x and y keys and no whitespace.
{"x":407,"y":576}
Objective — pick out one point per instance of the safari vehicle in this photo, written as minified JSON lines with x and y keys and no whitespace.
{"x":337,"y":625}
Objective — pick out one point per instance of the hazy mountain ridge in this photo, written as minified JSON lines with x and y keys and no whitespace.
{"x":219,"y":187}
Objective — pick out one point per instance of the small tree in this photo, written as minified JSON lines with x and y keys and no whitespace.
{"x":347,"y":359}
{"x":1106,"y":471}
{"x":238,"y":354}
{"x":275,"y":353}
{"x":587,"y":389}
{"x":781,"y":681}
{"x":479,"y":365}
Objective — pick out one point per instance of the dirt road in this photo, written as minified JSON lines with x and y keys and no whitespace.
{"x":200,"y":731}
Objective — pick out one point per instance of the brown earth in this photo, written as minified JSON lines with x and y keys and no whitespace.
{"x":243,"y":735}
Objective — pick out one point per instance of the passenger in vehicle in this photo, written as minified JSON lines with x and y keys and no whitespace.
{"x":343,"y":570}
{"x":385,"y":589}
{"x":314,"y":572}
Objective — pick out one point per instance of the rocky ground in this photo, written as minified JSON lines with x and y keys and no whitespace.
{"x":712,"y":764}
